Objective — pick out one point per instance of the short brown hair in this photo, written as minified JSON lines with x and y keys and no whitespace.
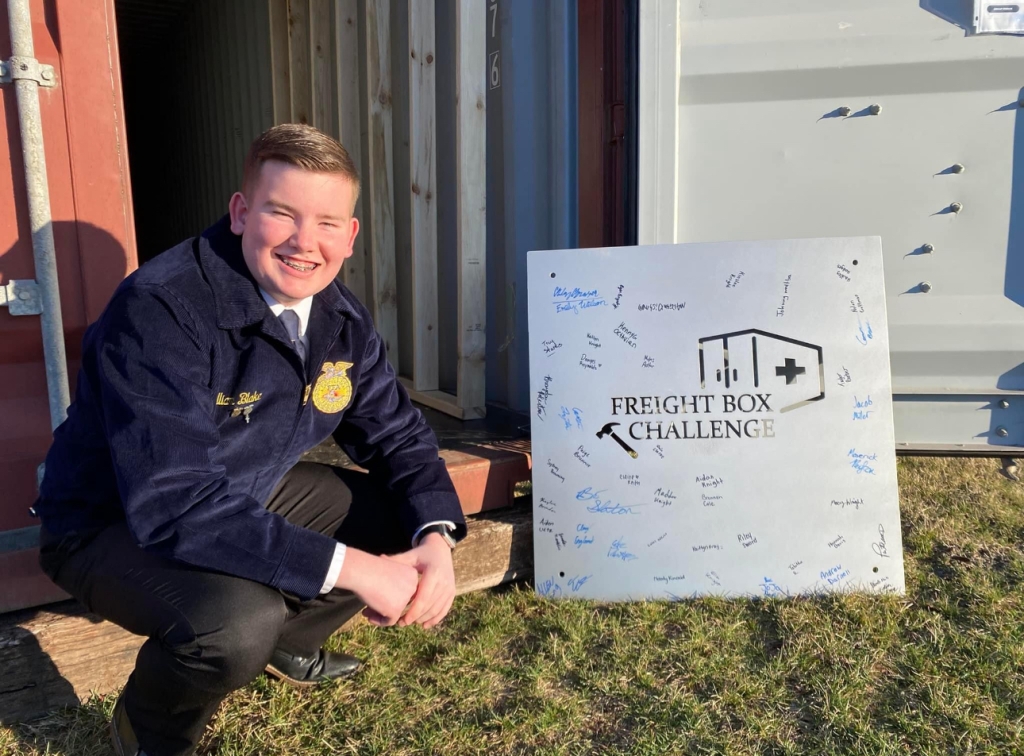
{"x":302,"y":146}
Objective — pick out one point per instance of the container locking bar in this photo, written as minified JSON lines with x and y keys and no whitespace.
{"x":21,"y":298}
{"x":19,"y":67}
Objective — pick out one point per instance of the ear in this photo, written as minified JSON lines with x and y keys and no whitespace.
{"x":238,"y":209}
{"x":353,"y":233}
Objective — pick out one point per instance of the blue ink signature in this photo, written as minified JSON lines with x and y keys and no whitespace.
{"x":549,"y":588}
{"x":601,"y":507}
{"x":860,"y":462}
{"x":575,"y":583}
{"x":771,"y":589}
{"x":864,"y":336}
{"x":575,"y":307}
{"x":574,"y":300}
{"x":859,"y":415}
{"x":575,"y":293}
{"x":568,"y":416}
{"x":582,"y":540}
{"x":618,"y":551}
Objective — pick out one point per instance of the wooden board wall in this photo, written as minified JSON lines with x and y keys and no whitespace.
{"x":471,"y":158}
{"x":422,"y":192}
{"x":334,"y":66}
{"x":315,"y":72}
{"x":348,"y":106}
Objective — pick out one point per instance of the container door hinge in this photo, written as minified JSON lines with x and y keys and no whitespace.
{"x":21,"y":297}
{"x":27,"y":68}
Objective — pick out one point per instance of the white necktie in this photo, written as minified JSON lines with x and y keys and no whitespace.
{"x":291,"y":324}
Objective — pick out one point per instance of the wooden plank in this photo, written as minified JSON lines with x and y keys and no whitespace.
{"x":300,"y":59}
{"x":349,"y":118}
{"x":383,"y":286}
{"x":321,"y":30}
{"x":484,"y":471}
{"x":57,"y":657}
{"x":442,"y":401}
{"x":471,"y":164}
{"x":402,"y":181}
{"x":280,"y":60}
{"x":423,"y":194}
{"x":486,"y":475}
{"x":497,"y":549}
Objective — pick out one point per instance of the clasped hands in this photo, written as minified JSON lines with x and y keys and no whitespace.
{"x":414,"y":587}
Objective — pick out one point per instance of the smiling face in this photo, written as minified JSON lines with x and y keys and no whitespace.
{"x":296,"y":227}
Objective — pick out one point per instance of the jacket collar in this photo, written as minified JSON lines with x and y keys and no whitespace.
{"x":235,"y":292}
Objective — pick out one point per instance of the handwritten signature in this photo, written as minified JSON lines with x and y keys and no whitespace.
{"x":771,"y":589}
{"x":576,"y":299}
{"x":879,"y":546}
{"x":575,"y":583}
{"x":860,"y":462}
{"x":568,"y":415}
{"x":549,"y":588}
{"x":602,"y":507}
{"x":864,"y":332}
{"x":550,"y":346}
{"x":542,"y":397}
{"x":618,"y":551}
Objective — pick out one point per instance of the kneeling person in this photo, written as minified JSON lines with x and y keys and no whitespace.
{"x":174,"y":503}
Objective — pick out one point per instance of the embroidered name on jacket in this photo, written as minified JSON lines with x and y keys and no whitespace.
{"x":243,"y":405}
{"x":246,"y":397}
{"x":333,"y":390}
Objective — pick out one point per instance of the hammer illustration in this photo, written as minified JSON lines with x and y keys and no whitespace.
{"x":607,"y":431}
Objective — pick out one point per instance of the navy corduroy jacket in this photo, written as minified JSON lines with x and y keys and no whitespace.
{"x":191,"y":405}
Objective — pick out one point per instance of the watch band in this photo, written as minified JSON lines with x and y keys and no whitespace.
{"x":441,"y":530}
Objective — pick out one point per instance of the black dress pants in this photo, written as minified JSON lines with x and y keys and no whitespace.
{"x":210,"y":633}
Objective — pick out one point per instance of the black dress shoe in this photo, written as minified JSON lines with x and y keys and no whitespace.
{"x":122,"y":736}
{"x":305,"y":671}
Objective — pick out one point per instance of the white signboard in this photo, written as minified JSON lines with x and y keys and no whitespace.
{"x":712,"y":419}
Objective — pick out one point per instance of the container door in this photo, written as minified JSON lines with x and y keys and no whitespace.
{"x":891,"y":118}
{"x":86,"y":160}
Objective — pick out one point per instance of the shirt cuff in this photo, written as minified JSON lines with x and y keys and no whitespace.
{"x":416,"y":536}
{"x":335,"y":569}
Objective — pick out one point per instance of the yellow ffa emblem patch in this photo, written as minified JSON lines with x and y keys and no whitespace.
{"x":333,"y":390}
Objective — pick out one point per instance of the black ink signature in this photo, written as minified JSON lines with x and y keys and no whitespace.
{"x":879,"y":547}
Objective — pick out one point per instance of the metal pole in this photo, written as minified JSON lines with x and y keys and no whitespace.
{"x":39,"y":214}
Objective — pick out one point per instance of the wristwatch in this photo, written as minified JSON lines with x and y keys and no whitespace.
{"x":441,"y":530}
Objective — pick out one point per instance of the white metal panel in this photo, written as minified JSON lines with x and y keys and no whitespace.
{"x":712,"y":419}
{"x":753,"y":140}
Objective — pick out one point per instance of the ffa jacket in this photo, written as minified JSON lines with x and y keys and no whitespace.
{"x":191,"y":405}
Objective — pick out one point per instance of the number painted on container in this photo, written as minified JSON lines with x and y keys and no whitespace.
{"x":495,"y":66}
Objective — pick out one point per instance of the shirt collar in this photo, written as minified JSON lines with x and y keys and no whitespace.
{"x":300,"y":308}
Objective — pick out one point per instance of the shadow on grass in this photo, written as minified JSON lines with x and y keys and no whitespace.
{"x":72,"y":731}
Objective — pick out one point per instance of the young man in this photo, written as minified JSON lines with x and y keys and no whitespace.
{"x":174,"y":503}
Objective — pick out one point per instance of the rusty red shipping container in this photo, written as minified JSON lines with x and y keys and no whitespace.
{"x":90,"y":200}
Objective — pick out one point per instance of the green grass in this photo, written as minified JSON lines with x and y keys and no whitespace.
{"x":939,"y":671}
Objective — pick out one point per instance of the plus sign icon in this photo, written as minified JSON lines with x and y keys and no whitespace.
{"x":758,"y":362}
